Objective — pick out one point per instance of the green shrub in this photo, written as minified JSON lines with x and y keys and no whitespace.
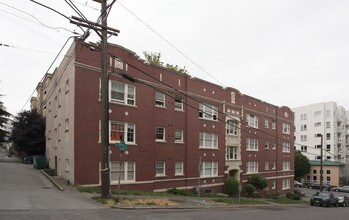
{"x":293,"y":196}
{"x":273,"y":196}
{"x":250,"y":189}
{"x":175,"y":191}
{"x":231,"y":186}
{"x":258,"y":181}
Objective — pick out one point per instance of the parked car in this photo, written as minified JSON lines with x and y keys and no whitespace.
{"x":324,"y":199}
{"x":314,"y":186}
{"x":343,"y":201}
{"x":326,"y":186}
{"x":342,"y":189}
{"x":298,"y":184}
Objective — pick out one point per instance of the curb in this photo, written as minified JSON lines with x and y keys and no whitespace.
{"x":52,"y":180}
{"x":202,"y":207}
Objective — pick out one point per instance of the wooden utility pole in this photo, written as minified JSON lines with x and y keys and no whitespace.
{"x":102,"y":30}
{"x":105,"y":160}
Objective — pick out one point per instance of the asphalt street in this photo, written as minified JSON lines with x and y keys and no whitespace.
{"x":24,"y":188}
{"x":26,"y":194}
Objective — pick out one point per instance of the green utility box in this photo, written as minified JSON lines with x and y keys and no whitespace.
{"x":39,"y":162}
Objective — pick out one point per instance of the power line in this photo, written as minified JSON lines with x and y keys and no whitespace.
{"x":169,"y":43}
{"x":30,"y":29}
{"x":27,"y":49}
{"x":54,"y":10}
{"x":31,"y":15}
{"x":47,"y":71}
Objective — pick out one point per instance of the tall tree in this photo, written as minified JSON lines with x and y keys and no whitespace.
{"x":155,"y":59}
{"x":4,"y":117}
{"x":301,"y":165}
{"x":28,"y":133}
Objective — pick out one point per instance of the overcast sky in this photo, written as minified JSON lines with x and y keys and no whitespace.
{"x":287,"y":53}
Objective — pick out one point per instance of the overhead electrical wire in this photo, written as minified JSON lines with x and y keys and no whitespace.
{"x":60,"y":51}
{"x":169,"y":43}
{"x":38,"y":21}
{"x":31,"y":30}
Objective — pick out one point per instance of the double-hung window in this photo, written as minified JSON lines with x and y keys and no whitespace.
{"x":252,"y":167}
{"x":160,"y":168}
{"x":285,"y":184}
{"x":207,"y":111}
{"x":178,"y":136}
{"x":252,"y":144}
{"x":273,"y":165}
{"x":128,"y":171}
{"x":273,"y":124}
{"x":252,"y":120}
{"x":286,"y":147}
{"x":286,"y":128}
{"x":286,"y":165}
{"x":304,"y":148}
{"x":179,"y":168}
{"x":266,"y":165}
{"x":160,"y":134}
{"x":209,"y":169}
{"x":232,"y":153}
{"x":208,"y":140}
{"x":266,"y":123}
{"x":232,"y":127}
{"x":160,"y":99}
{"x":122,"y":131}
{"x":178,"y":103}
{"x":122,"y":93}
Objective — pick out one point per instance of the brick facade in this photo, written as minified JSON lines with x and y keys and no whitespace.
{"x":142,"y":117}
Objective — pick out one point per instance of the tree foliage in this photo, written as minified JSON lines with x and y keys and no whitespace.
{"x":28,"y":133}
{"x":301,"y":165}
{"x":258,"y":181}
{"x":231,"y":186}
{"x":250,"y":189}
{"x":4,"y":117}
{"x":155,"y":59}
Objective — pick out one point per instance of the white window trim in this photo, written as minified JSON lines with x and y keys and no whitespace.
{"x":182,"y":168}
{"x":124,"y":167}
{"x":181,"y":140}
{"x":213,"y":141}
{"x":126,"y":94}
{"x":255,"y":144}
{"x":266,"y":165}
{"x":213,"y":171}
{"x":164,"y":135}
{"x":232,"y":127}
{"x":286,"y":147}
{"x":126,"y":125}
{"x":235,"y":152}
{"x":251,"y":167}
{"x":179,"y":103}
{"x":286,"y":128}
{"x":252,"y":120}
{"x":273,"y":166}
{"x":162,"y":100}
{"x":266,"y":123}
{"x":286,"y":166}
{"x":208,"y":112}
{"x":286,"y":184}
{"x":164,"y":169}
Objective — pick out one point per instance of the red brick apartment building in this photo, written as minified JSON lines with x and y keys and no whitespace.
{"x":171,"y":123}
